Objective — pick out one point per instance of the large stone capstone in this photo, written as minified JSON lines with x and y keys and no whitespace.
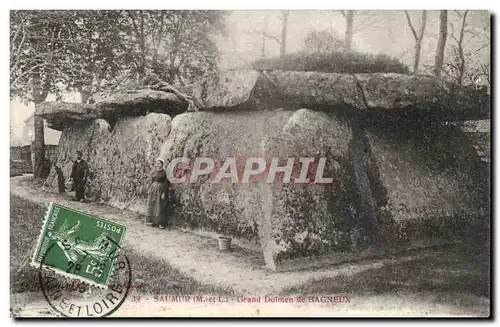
{"x":59,"y":114}
{"x":124,"y":103}
{"x":137,"y":102}
{"x":380,"y":95}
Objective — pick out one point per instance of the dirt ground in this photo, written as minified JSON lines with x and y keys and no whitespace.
{"x":243,"y":272}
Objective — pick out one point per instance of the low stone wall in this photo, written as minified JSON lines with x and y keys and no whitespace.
{"x":22,"y":153}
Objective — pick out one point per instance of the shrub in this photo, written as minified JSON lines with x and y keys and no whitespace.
{"x":334,"y":62}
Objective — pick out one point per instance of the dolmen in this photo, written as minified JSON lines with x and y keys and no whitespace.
{"x":308,"y":168}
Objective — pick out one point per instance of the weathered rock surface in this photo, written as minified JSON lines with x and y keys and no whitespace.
{"x":413,"y":191}
{"x":374,"y":187}
{"x":140,"y":102}
{"x":390,"y":182}
{"x":310,"y":217}
{"x":120,"y":161}
{"x":124,"y":103}
{"x":385,"y":95}
{"x":85,"y":137}
{"x":254,"y":90}
{"x":433,"y":181}
{"x":381,"y":189}
{"x":421,"y":96}
{"x":228,"y":208}
{"x":59,"y":114}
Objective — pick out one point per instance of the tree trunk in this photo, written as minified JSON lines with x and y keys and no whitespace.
{"x":443,"y":33}
{"x":418,"y":45}
{"x":349,"y":31}
{"x":39,"y":139}
{"x":142,"y":70}
{"x":284,"y":32}
{"x":461,"y":66}
{"x":264,"y":30}
{"x":84,"y":96}
{"x":38,"y":146}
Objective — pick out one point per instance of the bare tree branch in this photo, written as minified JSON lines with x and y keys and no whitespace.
{"x":18,"y":30}
{"x":272,"y":37}
{"x":17,"y":54}
{"x":423,"y":23}
{"x":368,"y":21}
{"x":443,"y":34}
{"x":411,"y":25}
{"x":418,"y":37}
{"x":13,"y":83}
{"x":257,"y":32}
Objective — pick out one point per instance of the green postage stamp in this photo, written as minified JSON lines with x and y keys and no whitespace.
{"x":78,"y":245}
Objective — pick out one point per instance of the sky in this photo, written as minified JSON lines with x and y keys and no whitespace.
{"x":20,"y":111}
{"x":376,"y":32}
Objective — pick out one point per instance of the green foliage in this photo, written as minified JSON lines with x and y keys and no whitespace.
{"x":57,"y":50}
{"x":334,"y":62}
{"x":177,"y":45}
{"x":40,"y":55}
{"x":53,"y":51}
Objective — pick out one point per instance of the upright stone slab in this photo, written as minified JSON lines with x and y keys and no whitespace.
{"x":288,"y":220}
{"x":85,"y":137}
{"x":374,"y":188}
{"x":120,"y":160}
{"x":314,"y":217}
{"x":135,"y":144}
{"x":228,"y":208}
{"x":430,"y":183}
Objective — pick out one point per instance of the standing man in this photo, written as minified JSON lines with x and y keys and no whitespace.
{"x":79,"y":175}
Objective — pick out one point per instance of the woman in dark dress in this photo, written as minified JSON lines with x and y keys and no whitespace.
{"x":158,"y":197}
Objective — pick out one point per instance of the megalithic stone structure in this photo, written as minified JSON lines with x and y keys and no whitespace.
{"x":397,"y":180}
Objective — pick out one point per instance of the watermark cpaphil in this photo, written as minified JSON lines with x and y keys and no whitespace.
{"x":252,"y":169}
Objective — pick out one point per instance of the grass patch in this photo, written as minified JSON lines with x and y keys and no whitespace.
{"x":26,"y":221}
{"x":334,"y":62}
{"x":444,"y":272}
{"x":148,"y":276}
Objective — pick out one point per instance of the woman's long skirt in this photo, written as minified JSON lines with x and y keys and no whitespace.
{"x":156,"y":206}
